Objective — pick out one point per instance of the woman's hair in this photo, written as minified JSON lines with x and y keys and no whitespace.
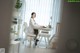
{"x":32,"y":14}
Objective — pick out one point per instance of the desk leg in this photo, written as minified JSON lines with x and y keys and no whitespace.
{"x":48,"y":41}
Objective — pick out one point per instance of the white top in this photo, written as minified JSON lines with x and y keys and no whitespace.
{"x":32,"y":25}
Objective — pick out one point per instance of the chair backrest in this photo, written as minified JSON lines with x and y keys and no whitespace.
{"x":25,"y":30}
{"x":25,"y":27}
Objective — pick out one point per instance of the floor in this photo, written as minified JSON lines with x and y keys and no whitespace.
{"x":25,"y":49}
{"x":37,"y":50}
{"x":40,"y":44}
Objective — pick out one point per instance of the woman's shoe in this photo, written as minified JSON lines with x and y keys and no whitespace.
{"x":35,"y":43}
{"x":37,"y":40}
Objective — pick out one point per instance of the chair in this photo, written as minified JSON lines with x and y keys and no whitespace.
{"x":44,"y":34}
{"x":54,"y":39}
{"x":29,"y":37}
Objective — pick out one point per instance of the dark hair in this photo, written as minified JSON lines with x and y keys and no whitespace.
{"x":32,"y":14}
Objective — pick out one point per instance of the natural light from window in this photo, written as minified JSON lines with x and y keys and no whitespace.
{"x":43,"y":9}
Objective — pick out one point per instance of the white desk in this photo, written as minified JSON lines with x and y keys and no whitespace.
{"x":44,"y":33}
{"x":46,"y":29}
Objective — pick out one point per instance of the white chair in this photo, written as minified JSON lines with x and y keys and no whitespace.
{"x":54,"y":39}
{"x":29,"y":37}
{"x":44,"y":34}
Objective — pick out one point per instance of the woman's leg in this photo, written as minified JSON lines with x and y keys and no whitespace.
{"x":36,"y":33}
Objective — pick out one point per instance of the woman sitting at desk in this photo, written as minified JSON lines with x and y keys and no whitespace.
{"x":33,"y":27}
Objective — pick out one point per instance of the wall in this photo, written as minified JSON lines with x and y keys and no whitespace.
{"x":5,"y":20}
{"x":70,"y":27}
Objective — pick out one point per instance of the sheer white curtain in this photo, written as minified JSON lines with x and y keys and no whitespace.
{"x":56,"y":14}
{"x":22,"y":18}
{"x":43,"y":9}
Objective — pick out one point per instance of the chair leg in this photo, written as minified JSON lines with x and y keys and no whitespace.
{"x":30,"y":43}
{"x":39,"y":41}
{"x":46,"y":41}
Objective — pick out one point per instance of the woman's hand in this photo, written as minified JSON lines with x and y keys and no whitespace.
{"x":43,"y":26}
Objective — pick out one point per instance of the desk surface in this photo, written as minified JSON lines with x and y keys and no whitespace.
{"x":47,"y":29}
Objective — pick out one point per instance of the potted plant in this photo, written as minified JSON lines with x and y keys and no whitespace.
{"x":18,"y":4}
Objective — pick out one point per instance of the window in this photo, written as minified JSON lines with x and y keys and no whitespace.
{"x":43,"y":9}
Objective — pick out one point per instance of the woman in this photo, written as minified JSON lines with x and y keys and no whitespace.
{"x":33,"y":26}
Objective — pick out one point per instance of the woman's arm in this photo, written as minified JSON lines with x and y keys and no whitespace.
{"x":35,"y":25}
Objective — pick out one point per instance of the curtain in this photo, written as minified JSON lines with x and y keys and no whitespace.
{"x":43,"y":9}
{"x":55,"y":15}
{"x":22,"y":18}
